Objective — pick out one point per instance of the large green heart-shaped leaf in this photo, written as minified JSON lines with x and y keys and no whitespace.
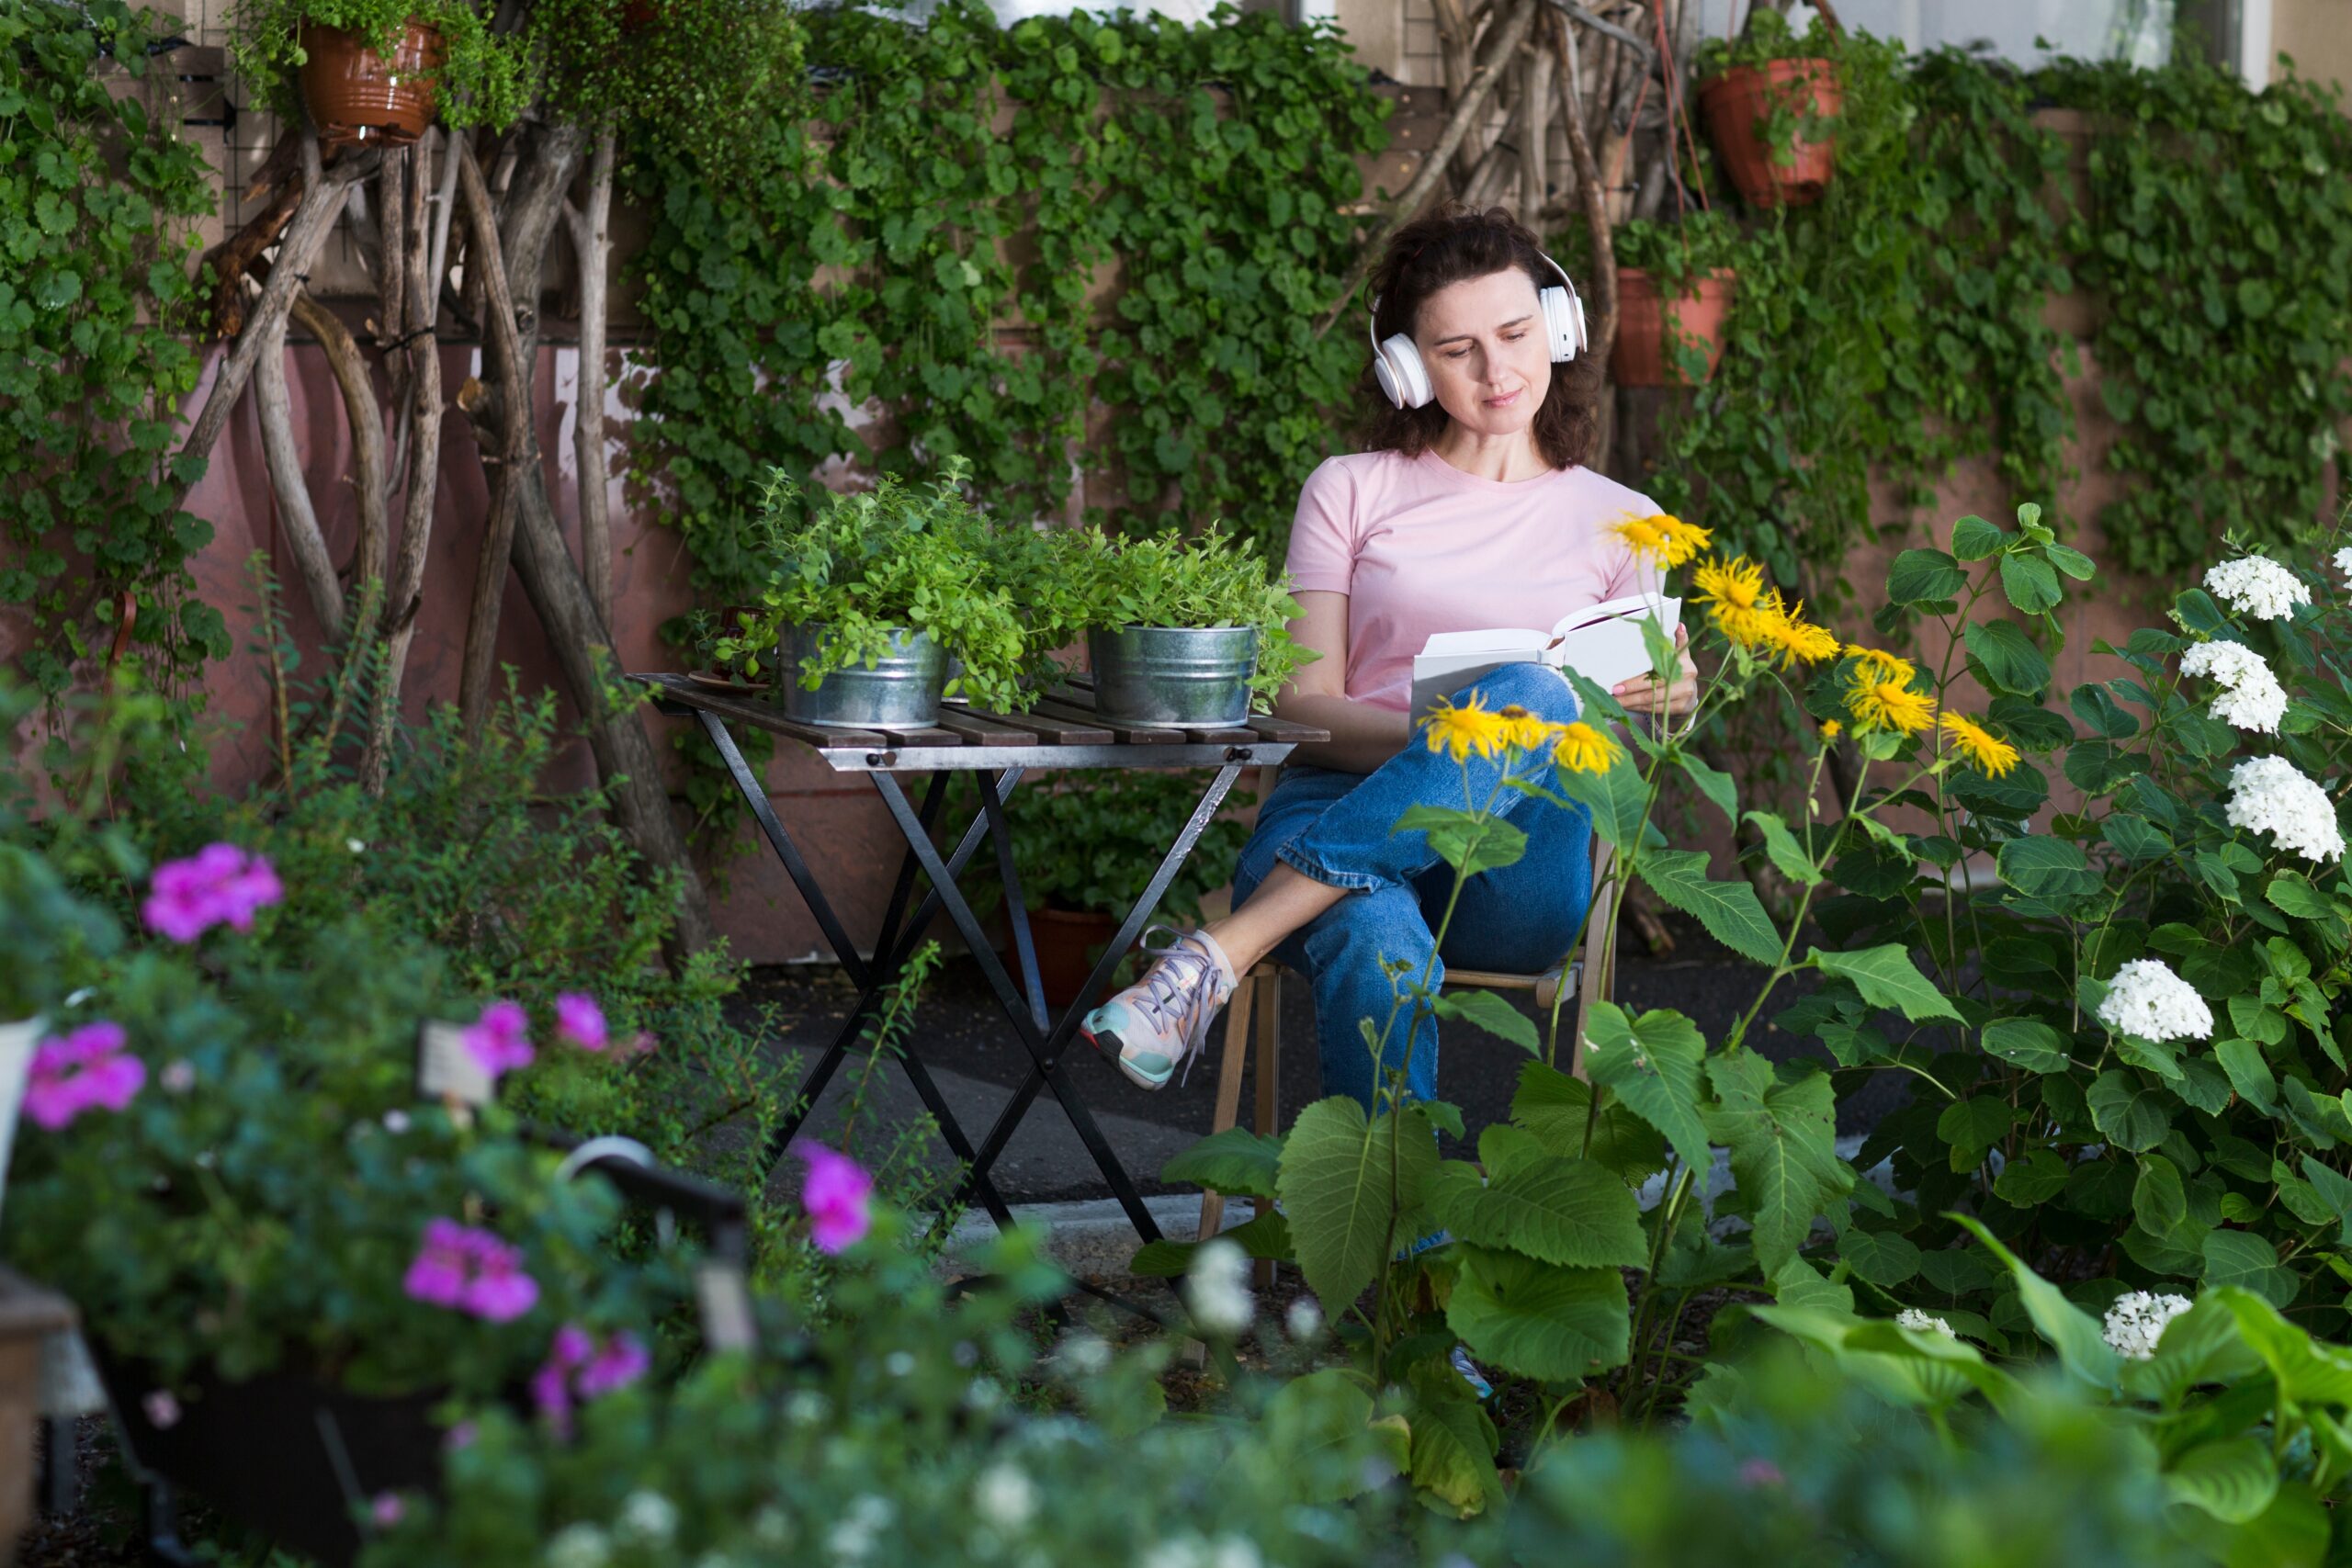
{"x":1575,"y":1213}
{"x":1237,"y":1162}
{"x":1652,"y":1064}
{"x":1453,"y":1451}
{"x":1781,"y":1136}
{"x":1558,"y":1110}
{"x":2025,"y":1043}
{"x":2010,"y":661}
{"x":1924,"y":577}
{"x":2132,"y":1115}
{"x":2233,"y":1480}
{"x":2249,"y":1262}
{"x":1335,"y":1182}
{"x":1729,"y":910}
{"x":1539,"y":1320}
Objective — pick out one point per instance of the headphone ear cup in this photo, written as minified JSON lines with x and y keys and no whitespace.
{"x":1562,"y":322}
{"x":1401,"y":373}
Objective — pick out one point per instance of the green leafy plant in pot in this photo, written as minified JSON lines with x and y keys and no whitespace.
{"x":1675,"y":286}
{"x":1769,"y":97}
{"x":873,"y":592}
{"x":381,"y":70}
{"x":1183,"y":633}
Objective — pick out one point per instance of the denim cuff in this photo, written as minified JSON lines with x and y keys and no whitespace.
{"x":1307,"y":865}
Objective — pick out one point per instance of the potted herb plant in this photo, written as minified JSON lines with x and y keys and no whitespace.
{"x":873,"y":593}
{"x":1183,"y":633}
{"x":380,"y":70}
{"x":1768,"y":96}
{"x":1675,"y":285}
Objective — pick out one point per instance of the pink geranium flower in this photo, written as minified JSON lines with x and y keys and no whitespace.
{"x":472,"y":1272}
{"x":577,"y":1370}
{"x":220,"y":885}
{"x":579,"y":1020}
{"x":85,"y":1070}
{"x":838,"y":1195}
{"x":500,"y":1039}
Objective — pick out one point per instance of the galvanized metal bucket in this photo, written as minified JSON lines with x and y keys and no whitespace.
{"x":901,"y":689}
{"x":1173,"y":677}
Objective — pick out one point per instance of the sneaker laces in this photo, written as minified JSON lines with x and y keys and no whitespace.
{"x":1176,"y":991}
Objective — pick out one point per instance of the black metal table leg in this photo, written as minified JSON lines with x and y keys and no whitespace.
{"x":755,"y":796}
{"x":1016,"y":909}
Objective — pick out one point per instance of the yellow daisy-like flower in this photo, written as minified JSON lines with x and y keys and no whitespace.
{"x":1581,"y":749}
{"x":1879,"y":703}
{"x":1733,"y":593}
{"x":1662,"y":540}
{"x":1978,"y":744}
{"x":1522,"y":731}
{"x":1831,"y":729}
{"x":1464,"y":729}
{"x":1877,"y":664}
{"x":1793,"y":640}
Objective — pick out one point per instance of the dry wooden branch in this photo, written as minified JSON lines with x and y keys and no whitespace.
{"x":298,"y":520}
{"x":1500,"y":44}
{"x":1602,"y":327}
{"x":369,"y":555}
{"x":515,"y":447}
{"x":592,"y":240}
{"x":1535,"y":134}
{"x":313,"y":221}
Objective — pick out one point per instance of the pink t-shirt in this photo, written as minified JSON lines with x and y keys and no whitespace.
{"x":1419,"y":547}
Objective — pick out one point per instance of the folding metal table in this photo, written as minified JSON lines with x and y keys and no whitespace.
{"x":1063,"y":732}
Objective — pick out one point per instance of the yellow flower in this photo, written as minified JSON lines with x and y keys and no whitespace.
{"x":1662,"y":540}
{"x":1733,"y":594}
{"x":1883,"y":703}
{"x":1978,"y":744}
{"x":1465,"y":730}
{"x":1831,"y":729}
{"x":1793,"y":639}
{"x":1522,"y":731}
{"x":1876,"y":664}
{"x":1581,"y":749}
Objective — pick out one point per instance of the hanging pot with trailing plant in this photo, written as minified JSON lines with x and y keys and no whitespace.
{"x":358,"y":95}
{"x":1768,"y":97}
{"x":1675,"y":286}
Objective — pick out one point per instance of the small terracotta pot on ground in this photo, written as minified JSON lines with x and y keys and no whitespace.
{"x":1737,"y":101}
{"x":1642,"y":355}
{"x":356,"y":96}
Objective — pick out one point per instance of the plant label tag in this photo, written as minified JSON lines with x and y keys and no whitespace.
{"x":446,"y":1070}
{"x":726,"y":1301}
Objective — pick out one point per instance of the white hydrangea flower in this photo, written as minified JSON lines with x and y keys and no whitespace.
{"x":2146,"y":999}
{"x":773,"y":1526}
{"x":2250,"y":696}
{"x":1913,"y":1319}
{"x":1005,"y":1497}
{"x":579,"y":1546}
{"x":1235,"y":1552}
{"x":2137,"y":1320}
{"x":1182,"y":1552}
{"x":649,"y":1516}
{"x":1216,"y":1288}
{"x":2344,"y":560}
{"x":2257,"y":586}
{"x":1305,"y":1319}
{"x":898,"y":1364}
{"x":1086,"y":1355}
{"x":853,"y":1538}
{"x":2269,"y":795}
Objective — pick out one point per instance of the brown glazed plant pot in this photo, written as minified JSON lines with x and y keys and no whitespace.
{"x":1736,"y":102}
{"x":1642,"y":355}
{"x":356,"y":96}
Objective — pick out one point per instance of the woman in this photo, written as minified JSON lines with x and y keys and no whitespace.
{"x":1474,"y":510}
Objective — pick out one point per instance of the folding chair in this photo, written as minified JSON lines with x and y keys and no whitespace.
{"x":1592,"y":974}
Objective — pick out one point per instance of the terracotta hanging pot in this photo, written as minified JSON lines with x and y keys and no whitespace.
{"x":1642,"y":355}
{"x":1736,"y":104}
{"x":356,"y":96}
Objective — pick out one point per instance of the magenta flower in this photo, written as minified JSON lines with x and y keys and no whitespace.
{"x":837,"y":1195}
{"x":85,"y":1070}
{"x":500,"y":1039}
{"x":470,"y":1270}
{"x":577,"y":1370}
{"x":461,"y":1436}
{"x":579,"y":1020}
{"x":386,"y":1509}
{"x":218,"y":884}
{"x":438,"y":1275}
{"x":500,"y":1292}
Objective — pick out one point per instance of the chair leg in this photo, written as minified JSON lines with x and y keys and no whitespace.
{"x":1228,"y":1088}
{"x":1270,"y":1085}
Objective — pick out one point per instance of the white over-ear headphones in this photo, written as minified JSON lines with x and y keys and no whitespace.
{"x":1397,"y":364}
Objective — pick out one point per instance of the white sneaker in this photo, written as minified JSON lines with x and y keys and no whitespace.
{"x":1161,"y":1023}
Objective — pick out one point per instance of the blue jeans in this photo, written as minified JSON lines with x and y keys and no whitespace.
{"x":1335,"y":827}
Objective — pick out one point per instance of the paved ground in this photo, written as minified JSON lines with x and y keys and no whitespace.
{"x":960,"y":1034}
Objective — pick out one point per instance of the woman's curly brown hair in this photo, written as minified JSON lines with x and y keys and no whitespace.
{"x":1429,"y":253}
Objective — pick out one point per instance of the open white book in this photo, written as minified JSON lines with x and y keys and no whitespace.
{"x":1602,"y":642}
